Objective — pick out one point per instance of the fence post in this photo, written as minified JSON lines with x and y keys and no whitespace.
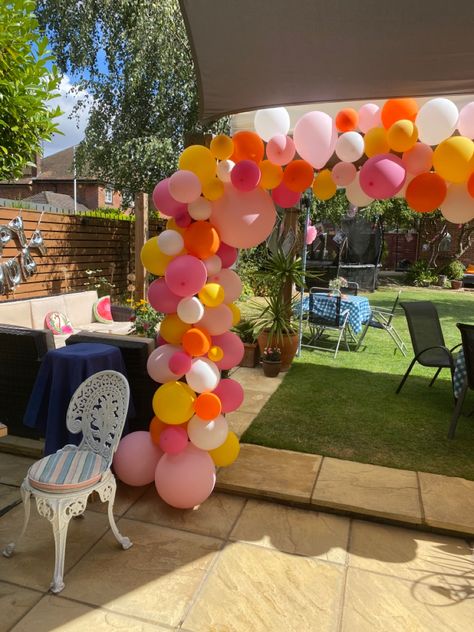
{"x":141,"y":236}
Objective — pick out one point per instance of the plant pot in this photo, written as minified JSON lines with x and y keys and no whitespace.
{"x":251,"y":355}
{"x":288,"y":347}
{"x":271,"y":368}
{"x":456,"y":284}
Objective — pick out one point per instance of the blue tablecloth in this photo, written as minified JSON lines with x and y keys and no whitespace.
{"x":460,"y":374}
{"x":61,"y":372}
{"x":325,"y":305}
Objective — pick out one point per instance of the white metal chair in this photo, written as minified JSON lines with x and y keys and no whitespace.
{"x":382,"y":318}
{"x":320,"y":324}
{"x":62,"y":482}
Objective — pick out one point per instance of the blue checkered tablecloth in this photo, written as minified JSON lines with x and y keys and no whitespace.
{"x":325,"y":305}
{"x":460,"y":374}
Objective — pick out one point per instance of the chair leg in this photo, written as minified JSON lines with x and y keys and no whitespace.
{"x":405,"y":376}
{"x":362,"y":336}
{"x":107,"y":494}
{"x":397,"y":340}
{"x":457,"y":412}
{"x":25,"y":497}
{"x":435,"y":376}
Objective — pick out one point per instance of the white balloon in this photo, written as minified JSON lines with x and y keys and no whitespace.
{"x":436,"y":120}
{"x":355,"y":195}
{"x":203,"y":376}
{"x":208,"y":435}
{"x":213,"y":265}
{"x":369,"y":116}
{"x":271,"y":121}
{"x":350,"y":146}
{"x":190,"y":310}
{"x":466,"y":121}
{"x":224,"y":169}
{"x":157,"y":364}
{"x":200,"y":209}
{"x":170,"y":242}
{"x":458,"y":206}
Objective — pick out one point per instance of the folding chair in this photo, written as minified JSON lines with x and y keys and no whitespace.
{"x":467,"y":335}
{"x":319,"y":324}
{"x":382,"y":318}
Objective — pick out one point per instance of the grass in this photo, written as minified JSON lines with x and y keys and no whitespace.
{"x":347,"y":408}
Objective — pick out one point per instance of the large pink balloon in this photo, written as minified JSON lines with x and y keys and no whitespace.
{"x":343,"y":173}
{"x":315,"y":137}
{"x":382,"y":176}
{"x":458,"y":206}
{"x":227,"y":254}
{"x":231,"y":394}
{"x":184,"y":186}
{"x":231,"y":283}
{"x":186,"y":479}
{"x":369,"y":116}
{"x":233,"y":349}
{"x":243,"y":219}
{"x":185,"y":275}
{"x":136,"y":459}
{"x":246,"y":175}
{"x":162,"y":298}
{"x":164,"y":202}
{"x":418,"y":159}
{"x":280,"y":149}
{"x":158,"y":364}
{"x":284,"y":197}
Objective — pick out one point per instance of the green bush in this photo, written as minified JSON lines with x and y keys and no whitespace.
{"x":248,"y":267}
{"x":453,"y":270}
{"x":421,"y":274}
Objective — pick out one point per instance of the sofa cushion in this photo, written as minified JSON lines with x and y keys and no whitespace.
{"x":111,"y":328}
{"x":41,"y":306}
{"x":103,"y":311}
{"x":58,"y":323}
{"x":79,"y":307}
{"x":16,"y":313}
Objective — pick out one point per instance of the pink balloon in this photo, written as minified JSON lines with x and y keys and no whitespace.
{"x":213,"y":265}
{"x":185,"y":275}
{"x":382,"y":176}
{"x":227,"y":254}
{"x":162,"y":298}
{"x":216,"y":320}
{"x":280,"y":149}
{"x":343,"y":173}
{"x":160,"y":340}
{"x":284,"y":197}
{"x":183,"y":219}
{"x":418,"y":159}
{"x":186,"y":479}
{"x":243,"y":219}
{"x":311,"y":234}
{"x":179,"y":363}
{"x":164,"y":202}
{"x":184,"y":186}
{"x":466,"y":120}
{"x":233,"y":349}
{"x":246,"y":175}
{"x":158,"y":364}
{"x":173,"y":439}
{"x":315,"y":137}
{"x":230,"y":282}
{"x":136,"y":459}
{"x":369,"y":116}
{"x":231,"y":394}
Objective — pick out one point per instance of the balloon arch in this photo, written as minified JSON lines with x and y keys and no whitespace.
{"x":222,"y":199}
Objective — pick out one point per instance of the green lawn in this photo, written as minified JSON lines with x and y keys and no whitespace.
{"x":347,"y":407}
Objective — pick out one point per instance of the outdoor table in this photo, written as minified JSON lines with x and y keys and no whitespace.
{"x":61,"y":372}
{"x":460,"y":374}
{"x":325,"y":305}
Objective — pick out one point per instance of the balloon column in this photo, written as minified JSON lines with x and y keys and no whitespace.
{"x":223,"y":198}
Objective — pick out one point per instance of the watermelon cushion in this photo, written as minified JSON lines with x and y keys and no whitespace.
{"x":58,"y":323}
{"x":102,"y":310}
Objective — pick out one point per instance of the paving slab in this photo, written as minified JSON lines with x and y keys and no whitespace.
{"x":239,"y":421}
{"x":448,"y":502}
{"x":9,"y":496}
{"x":15,"y":603}
{"x":367,"y":489}
{"x":13,"y":468}
{"x":254,"y":379}
{"x":125,"y":497}
{"x":271,"y":473}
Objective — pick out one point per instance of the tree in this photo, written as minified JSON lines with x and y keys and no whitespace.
{"x":134,"y":60}
{"x":26,"y":85}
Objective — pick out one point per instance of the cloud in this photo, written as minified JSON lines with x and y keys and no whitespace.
{"x":72,"y":125}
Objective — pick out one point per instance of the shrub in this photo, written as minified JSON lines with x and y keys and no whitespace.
{"x":421,"y":274}
{"x":453,"y":270}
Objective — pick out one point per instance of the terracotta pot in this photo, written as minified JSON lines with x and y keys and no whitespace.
{"x":288,"y":347}
{"x":251,"y":355}
{"x":271,"y":368}
{"x":456,"y":284}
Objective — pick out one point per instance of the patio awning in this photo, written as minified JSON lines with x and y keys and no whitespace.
{"x":252,"y":54}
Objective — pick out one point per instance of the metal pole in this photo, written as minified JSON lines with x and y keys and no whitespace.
{"x":303,"y":261}
{"x":75,"y":181}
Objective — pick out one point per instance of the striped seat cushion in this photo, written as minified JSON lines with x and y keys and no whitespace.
{"x":68,"y":470}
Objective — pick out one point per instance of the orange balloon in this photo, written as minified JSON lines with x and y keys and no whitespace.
{"x":426,"y":192}
{"x":196,"y":341}
{"x":207,"y":406}
{"x":470,"y":185}
{"x":396,"y":109}
{"x":298,"y":175}
{"x":347,"y":120}
{"x":247,"y":146}
{"x":201,"y":240}
{"x":156,"y":427}
{"x":272,"y":174}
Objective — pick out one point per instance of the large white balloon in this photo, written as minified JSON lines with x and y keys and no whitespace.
{"x":208,"y":435}
{"x":190,"y":310}
{"x":458,"y":206}
{"x":350,"y":146}
{"x":271,"y":121}
{"x":158,"y":364}
{"x":436,"y":120}
{"x":203,"y":376}
{"x":170,"y":242}
{"x":355,"y":195}
{"x":315,"y":137}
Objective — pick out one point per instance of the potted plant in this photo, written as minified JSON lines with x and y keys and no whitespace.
{"x":244,"y":329}
{"x":454,"y":270}
{"x":271,"y":361}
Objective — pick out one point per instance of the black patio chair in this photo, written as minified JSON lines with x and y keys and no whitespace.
{"x":351,"y":289}
{"x":467,"y":336}
{"x":382,"y":319}
{"x":322,"y":324}
{"x":427,"y":339}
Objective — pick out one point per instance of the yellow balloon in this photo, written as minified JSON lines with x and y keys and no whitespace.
{"x":212,"y":294}
{"x":172,"y":329}
{"x":213,"y":189}
{"x":376,"y":142}
{"x":153,"y":259}
{"x":222,"y":147}
{"x":200,"y":161}
{"x":402,"y":135}
{"x":453,"y":159}
{"x":324,"y":186}
{"x":226,"y":453}
{"x":272,"y":174}
{"x":215,"y":354}
{"x":173,"y":403}
{"x":236,"y":316}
